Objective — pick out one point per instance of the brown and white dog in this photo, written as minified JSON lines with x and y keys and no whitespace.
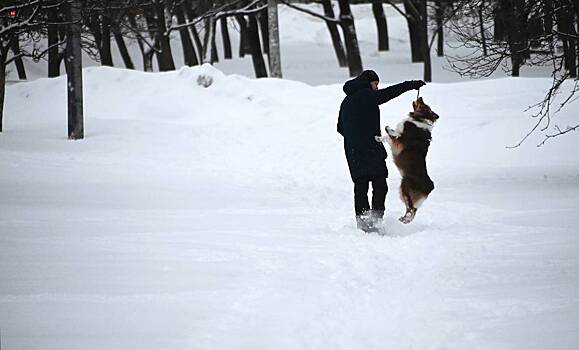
{"x":409,"y":144}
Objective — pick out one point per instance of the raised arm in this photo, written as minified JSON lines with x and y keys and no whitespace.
{"x":385,"y":95}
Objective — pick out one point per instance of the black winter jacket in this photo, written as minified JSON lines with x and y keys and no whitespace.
{"x":359,"y":122}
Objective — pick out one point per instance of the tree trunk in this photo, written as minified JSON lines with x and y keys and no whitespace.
{"x":500,"y":28}
{"x":575,"y":4}
{"x":349,"y":30}
{"x":227,"y":54}
{"x":565,"y":53}
{"x":123,"y":50}
{"x":15,"y":47}
{"x":424,"y":39}
{"x":548,"y":17}
{"x":164,"y":54}
{"x":53,"y":51}
{"x":209,"y":53}
{"x":105,"y":46}
{"x":572,"y":55}
{"x":190,"y":16}
{"x":74,"y":76}
{"x":197,"y":41}
{"x":514,"y":35}
{"x":415,"y":31}
{"x":214,"y":54}
{"x":381,"y":25}
{"x":256,"y":53}
{"x":335,"y":34}
{"x":439,"y":14}
{"x":263,"y":29}
{"x":148,"y":60}
{"x":189,"y":56}
{"x":522,"y":15}
{"x":94,"y":26}
{"x":146,"y":52}
{"x":244,"y":46}
{"x":273,"y":35}
{"x":3,"y":57}
{"x":482,"y":28}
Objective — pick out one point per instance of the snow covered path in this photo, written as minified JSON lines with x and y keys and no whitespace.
{"x":221,"y":218}
{"x":282,"y":277}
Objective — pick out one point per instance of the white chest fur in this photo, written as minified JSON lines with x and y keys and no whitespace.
{"x":426,"y":125}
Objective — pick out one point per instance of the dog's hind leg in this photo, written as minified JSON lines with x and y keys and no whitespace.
{"x":405,"y":194}
{"x":418,"y":198}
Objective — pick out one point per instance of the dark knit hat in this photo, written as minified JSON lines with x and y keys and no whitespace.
{"x":369,"y":75}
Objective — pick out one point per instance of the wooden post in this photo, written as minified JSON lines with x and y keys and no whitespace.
{"x":74,"y":76}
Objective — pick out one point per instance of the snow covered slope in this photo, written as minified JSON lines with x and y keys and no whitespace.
{"x":221,"y":218}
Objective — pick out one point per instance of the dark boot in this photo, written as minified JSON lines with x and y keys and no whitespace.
{"x":366,"y":223}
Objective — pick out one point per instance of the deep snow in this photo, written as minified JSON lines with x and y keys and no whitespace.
{"x":221,"y":218}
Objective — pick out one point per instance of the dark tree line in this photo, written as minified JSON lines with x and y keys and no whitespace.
{"x":149,"y":23}
{"x":42,"y":30}
{"x":507,"y":34}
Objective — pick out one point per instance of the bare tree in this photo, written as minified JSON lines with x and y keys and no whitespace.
{"x":189,"y":55}
{"x":528,"y":33}
{"x":19,"y":20}
{"x":163,"y":47}
{"x":56,"y":35}
{"x":334,"y":33}
{"x":350,"y":38}
{"x":416,"y":15}
{"x":346,"y":22}
{"x":381,"y":25}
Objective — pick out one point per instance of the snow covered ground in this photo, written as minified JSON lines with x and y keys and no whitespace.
{"x":221,"y":218}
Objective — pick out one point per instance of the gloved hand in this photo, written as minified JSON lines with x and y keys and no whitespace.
{"x":416,"y":84}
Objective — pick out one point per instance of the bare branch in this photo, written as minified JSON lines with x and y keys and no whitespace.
{"x":391,"y":3}
{"x":311,"y":13}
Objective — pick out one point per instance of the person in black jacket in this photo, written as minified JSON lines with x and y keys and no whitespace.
{"x":358,"y":123}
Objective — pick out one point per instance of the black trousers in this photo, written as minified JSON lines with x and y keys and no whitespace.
{"x":379,"y":190}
